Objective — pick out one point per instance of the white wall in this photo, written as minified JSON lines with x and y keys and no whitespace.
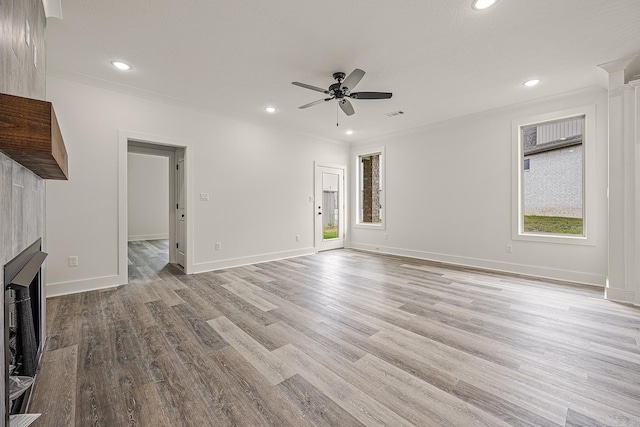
{"x":448,"y":196}
{"x":147,"y":197}
{"x":448,"y":189}
{"x":259,"y":180}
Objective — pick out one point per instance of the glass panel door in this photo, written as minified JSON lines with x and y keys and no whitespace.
{"x":330,"y":208}
{"x":329,"y":215}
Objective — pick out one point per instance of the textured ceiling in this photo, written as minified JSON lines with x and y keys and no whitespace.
{"x":440,"y":58}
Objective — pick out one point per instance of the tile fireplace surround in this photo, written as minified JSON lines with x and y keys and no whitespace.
{"x":21,"y":219}
{"x":22,"y":193}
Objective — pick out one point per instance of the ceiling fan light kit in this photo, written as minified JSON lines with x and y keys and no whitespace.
{"x":341,"y":91}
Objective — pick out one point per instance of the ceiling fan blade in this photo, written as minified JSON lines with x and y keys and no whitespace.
{"x":319,"y":101}
{"x":306,"y":86}
{"x":347,"y":107}
{"x":353,"y":79}
{"x":371,"y":95}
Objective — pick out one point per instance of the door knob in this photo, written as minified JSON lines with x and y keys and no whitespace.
{"x":182,"y":215}
{"x":319,"y":213}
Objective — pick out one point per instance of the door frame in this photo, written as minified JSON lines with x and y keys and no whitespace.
{"x":169,"y":153}
{"x":156,"y":144}
{"x":175,"y":185}
{"x":345,"y":198}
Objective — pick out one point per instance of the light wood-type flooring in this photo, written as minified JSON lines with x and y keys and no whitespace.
{"x":341,"y":338}
{"x":148,"y":258}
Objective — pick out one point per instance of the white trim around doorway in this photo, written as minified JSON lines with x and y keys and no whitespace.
{"x":125,"y":137}
{"x":345,"y":180}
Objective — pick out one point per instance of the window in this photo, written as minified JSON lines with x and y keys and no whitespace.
{"x":551,"y":184}
{"x":370,"y":188}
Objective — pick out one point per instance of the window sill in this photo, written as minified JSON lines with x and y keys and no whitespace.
{"x":554,"y":238}
{"x":370,"y":226}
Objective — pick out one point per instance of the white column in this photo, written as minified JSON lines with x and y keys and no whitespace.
{"x":623,"y":278}
{"x":636,"y":136}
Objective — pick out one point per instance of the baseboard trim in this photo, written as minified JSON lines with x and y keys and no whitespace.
{"x":139,"y":237}
{"x":613,"y":294}
{"x":505,"y":267}
{"x":93,"y":284}
{"x":620,"y":295}
{"x":84,"y":285}
{"x":254,"y":259}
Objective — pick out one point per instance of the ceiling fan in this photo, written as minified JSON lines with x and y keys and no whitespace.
{"x":341,"y":91}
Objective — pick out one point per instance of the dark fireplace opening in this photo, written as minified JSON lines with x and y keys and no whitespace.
{"x":24,"y":326}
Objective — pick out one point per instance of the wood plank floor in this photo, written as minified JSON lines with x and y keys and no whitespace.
{"x":148,"y":259}
{"x":341,"y":338}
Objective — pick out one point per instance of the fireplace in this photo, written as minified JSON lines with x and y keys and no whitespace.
{"x":24,"y":332}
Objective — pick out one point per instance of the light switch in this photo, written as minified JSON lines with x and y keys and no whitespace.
{"x":204,"y":197}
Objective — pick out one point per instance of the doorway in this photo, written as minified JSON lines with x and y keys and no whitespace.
{"x":330,"y":230}
{"x":156,"y":210}
{"x":147,"y":214}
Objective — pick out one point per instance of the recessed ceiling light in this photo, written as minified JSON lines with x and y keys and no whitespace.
{"x":349,"y":132}
{"x":483,"y":4}
{"x":531,"y":83}
{"x":270,"y":109}
{"x":121,"y":65}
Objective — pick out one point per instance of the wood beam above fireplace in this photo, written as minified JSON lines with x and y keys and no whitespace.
{"x":30,"y":135}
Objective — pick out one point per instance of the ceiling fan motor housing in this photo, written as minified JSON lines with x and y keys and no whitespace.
{"x":336,"y":90}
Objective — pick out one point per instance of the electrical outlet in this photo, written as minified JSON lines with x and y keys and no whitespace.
{"x":509,"y":249}
{"x":204,"y":197}
{"x":73,"y":261}
{"x":386,"y":236}
{"x":297,"y":237}
{"x":218,"y":246}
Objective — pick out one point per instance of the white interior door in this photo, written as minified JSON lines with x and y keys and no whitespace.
{"x":329,"y":208}
{"x":180,"y":208}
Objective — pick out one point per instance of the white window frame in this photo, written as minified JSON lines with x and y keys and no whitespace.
{"x":589,"y":178}
{"x":358,"y":216}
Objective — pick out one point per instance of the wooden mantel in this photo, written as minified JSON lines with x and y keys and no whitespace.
{"x":30,"y":135}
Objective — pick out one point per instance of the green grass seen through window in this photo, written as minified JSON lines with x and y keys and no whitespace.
{"x":330,"y":232}
{"x":552,"y":224}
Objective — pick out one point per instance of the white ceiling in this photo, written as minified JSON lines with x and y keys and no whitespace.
{"x":440,"y":58}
